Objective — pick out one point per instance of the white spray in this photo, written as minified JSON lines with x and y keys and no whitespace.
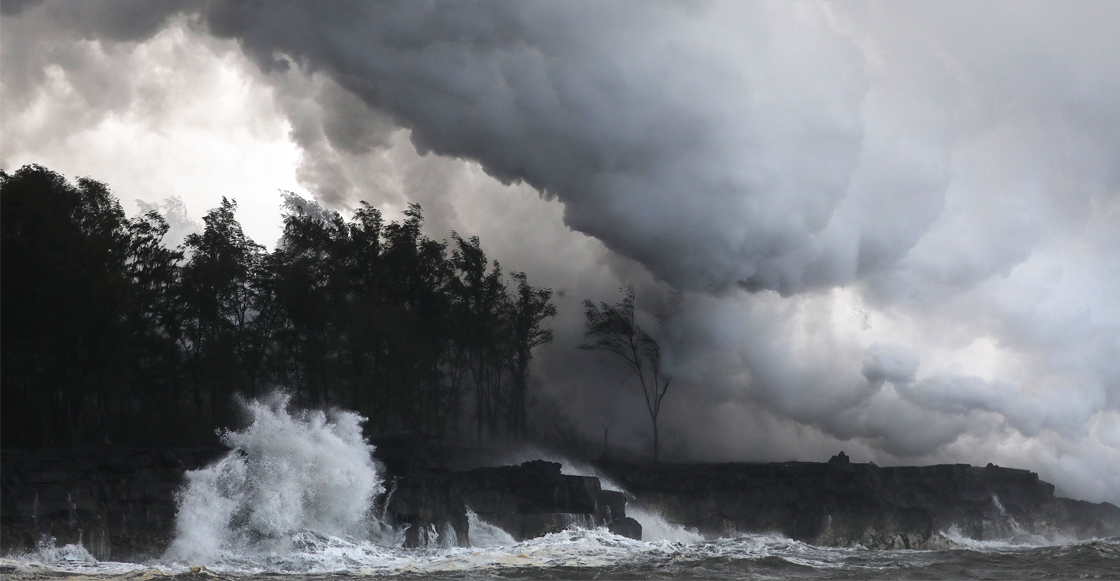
{"x":286,"y":473}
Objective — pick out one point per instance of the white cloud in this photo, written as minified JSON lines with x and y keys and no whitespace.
{"x":179,"y":115}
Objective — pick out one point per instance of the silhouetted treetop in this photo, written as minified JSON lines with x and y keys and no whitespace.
{"x":110,"y":337}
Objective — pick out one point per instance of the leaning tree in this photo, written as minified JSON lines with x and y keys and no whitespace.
{"x":612,"y":328}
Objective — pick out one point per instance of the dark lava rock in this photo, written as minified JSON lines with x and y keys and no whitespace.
{"x":626,"y":527}
{"x":542,"y":466}
{"x":427,"y":505}
{"x":526,"y":501}
{"x":845,"y":504}
{"x":401,"y":452}
{"x":119,"y":502}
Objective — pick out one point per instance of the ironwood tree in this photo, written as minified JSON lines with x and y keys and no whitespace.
{"x":612,"y":328}
{"x":110,"y":337}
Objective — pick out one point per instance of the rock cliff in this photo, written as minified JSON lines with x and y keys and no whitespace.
{"x":120,"y":503}
{"x":526,"y":501}
{"x":845,"y":504}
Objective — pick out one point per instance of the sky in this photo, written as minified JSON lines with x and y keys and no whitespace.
{"x":886,"y":228}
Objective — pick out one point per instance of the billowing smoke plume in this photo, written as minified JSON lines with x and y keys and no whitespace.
{"x":939,"y":160}
{"x":894,"y":225}
{"x":710,"y":169}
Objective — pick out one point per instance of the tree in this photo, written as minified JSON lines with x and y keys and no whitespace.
{"x":150,"y":380}
{"x":416,"y":276}
{"x":481,"y":305}
{"x":83,"y":330}
{"x":111,"y":337}
{"x":309,"y":280}
{"x":528,"y":310}
{"x":612,"y":328}
{"x":219,"y":297}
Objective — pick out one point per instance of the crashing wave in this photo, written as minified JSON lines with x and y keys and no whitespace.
{"x":285,"y":474}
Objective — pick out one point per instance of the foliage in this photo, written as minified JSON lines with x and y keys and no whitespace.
{"x":612,"y":328}
{"x":110,"y":337}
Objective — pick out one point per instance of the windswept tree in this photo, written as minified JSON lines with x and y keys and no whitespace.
{"x":481,"y":307}
{"x":528,"y":308}
{"x":85,"y":342}
{"x":612,"y":328}
{"x":221,"y":300}
{"x":111,"y":337}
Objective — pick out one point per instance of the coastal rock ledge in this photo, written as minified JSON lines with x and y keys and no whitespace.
{"x":120,"y":503}
{"x":526,"y":501}
{"x":844,"y":504}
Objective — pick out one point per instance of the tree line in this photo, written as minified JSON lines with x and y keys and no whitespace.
{"x":111,"y":337}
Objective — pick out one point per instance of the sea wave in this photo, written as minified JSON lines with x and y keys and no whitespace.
{"x":585,"y":549}
{"x":295,"y":497}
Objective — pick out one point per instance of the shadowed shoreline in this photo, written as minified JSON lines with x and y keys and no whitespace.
{"x":120,"y":503}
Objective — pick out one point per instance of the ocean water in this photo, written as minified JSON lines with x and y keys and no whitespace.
{"x":597,"y":554}
{"x":299,"y":497}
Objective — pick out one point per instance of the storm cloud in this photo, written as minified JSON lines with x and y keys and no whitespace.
{"x":889,"y":226}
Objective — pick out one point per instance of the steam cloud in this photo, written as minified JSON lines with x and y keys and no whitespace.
{"x":894,"y":225}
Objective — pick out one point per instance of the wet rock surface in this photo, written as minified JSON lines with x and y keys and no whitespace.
{"x":844,"y":504}
{"x":526,"y":501}
{"x":120,"y":503}
{"x":626,"y":527}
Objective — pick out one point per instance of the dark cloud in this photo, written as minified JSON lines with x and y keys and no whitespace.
{"x":709,"y":170}
{"x":893,"y":363}
{"x":922,"y":199}
{"x":16,"y":7}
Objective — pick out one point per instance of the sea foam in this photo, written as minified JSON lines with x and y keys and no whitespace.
{"x":285,"y":474}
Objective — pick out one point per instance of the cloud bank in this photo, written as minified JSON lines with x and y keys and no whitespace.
{"x":895,"y":226}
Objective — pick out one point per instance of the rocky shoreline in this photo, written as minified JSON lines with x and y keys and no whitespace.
{"x":844,"y":504}
{"x":526,"y":501}
{"x":120,"y":503}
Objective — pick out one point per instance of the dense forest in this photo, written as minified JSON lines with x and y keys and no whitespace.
{"x":112,"y":338}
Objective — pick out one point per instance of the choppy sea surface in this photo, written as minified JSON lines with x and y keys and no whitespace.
{"x":299,"y":497}
{"x":598,"y":554}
